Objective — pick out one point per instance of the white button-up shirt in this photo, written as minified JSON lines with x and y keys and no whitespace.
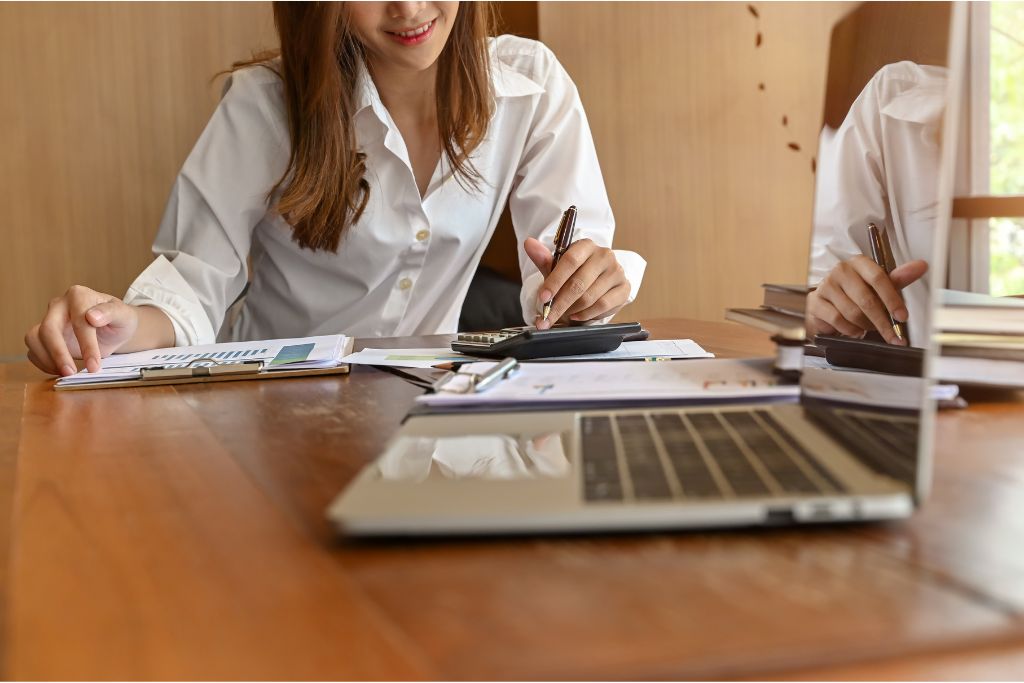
{"x":881,"y":167}
{"x":405,"y":266}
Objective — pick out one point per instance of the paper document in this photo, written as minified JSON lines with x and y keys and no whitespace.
{"x":406,"y":358}
{"x":614,"y":382}
{"x":869,"y":387}
{"x":428,"y":358}
{"x":275,"y":354}
{"x":865,"y":388}
{"x":648,"y":350}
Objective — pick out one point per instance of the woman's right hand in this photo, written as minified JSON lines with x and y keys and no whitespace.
{"x":83,"y":323}
{"x":857,"y":296}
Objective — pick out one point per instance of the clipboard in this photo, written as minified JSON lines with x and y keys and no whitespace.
{"x":219,"y":371}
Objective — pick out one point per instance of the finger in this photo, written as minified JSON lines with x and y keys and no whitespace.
{"x":609,"y":279}
{"x":38,"y":354}
{"x":884,"y":290}
{"x":112,"y":313}
{"x":816,"y":325}
{"x":908,"y":273}
{"x":575,"y":287}
{"x":571,"y":261}
{"x":115,"y":322}
{"x":87,"y":342}
{"x":51,"y":334}
{"x":607,"y":304}
{"x":866,"y":299}
{"x":823,"y":309}
{"x":539,"y":254}
{"x":847,"y":308}
{"x":812,"y":323}
{"x":42,"y":365}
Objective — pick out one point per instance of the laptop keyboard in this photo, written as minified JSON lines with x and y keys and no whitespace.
{"x":694,"y":455}
{"x":886,"y":445}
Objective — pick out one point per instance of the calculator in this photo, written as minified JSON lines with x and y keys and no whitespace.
{"x":525,"y":343}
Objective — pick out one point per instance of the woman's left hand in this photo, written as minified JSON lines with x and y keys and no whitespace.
{"x":587,"y":284}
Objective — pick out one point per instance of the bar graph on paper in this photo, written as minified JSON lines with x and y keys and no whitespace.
{"x":248,"y":354}
{"x":275,"y":353}
{"x":180,"y":360}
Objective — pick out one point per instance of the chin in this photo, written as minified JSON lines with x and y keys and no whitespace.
{"x":415,"y":62}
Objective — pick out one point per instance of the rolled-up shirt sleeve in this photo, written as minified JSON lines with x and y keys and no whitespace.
{"x":559,"y":168}
{"x":218,"y":198}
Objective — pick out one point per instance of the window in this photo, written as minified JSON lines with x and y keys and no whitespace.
{"x":1006,"y":143}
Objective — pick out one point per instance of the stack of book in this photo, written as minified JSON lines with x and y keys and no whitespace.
{"x":782,"y":315}
{"x":980,"y":339}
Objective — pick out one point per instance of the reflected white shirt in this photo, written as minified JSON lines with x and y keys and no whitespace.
{"x":475,"y":457}
{"x":405,"y":266}
{"x":881,"y":167}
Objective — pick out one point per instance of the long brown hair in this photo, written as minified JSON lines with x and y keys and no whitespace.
{"x":324,"y":189}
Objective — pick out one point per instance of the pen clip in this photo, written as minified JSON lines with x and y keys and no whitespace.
{"x":563,"y":240}
{"x":881,"y":249}
{"x":502,"y":370}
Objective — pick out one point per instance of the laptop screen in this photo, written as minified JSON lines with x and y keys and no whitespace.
{"x":883,"y":173}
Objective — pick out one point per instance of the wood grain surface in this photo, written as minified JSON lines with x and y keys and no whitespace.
{"x":178,"y":532}
{"x":102,"y":103}
{"x":693,"y":107}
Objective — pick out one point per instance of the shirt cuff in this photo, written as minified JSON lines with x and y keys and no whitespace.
{"x":633,"y":267}
{"x":161,"y":286}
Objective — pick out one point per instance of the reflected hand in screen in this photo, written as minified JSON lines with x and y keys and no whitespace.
{"x":857,"y":296}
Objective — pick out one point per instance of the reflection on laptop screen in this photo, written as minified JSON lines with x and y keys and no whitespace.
{"x":880,"y":159}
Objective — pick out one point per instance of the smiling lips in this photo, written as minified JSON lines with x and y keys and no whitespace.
{"x":414,"y":36}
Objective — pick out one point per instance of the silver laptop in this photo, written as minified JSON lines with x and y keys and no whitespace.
{"x":856,"y":446}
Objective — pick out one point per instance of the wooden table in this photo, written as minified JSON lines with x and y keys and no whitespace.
{"x":178,"y":532}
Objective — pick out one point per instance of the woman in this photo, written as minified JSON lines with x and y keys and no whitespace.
{"x":361,"y":173}
{"x":880,"y":166}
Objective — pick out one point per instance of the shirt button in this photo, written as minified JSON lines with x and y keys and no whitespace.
{"x":404,"y":283}
{"x":422,"y":235}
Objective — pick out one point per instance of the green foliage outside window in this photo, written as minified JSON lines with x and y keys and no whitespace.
{"x":1006,"y":236}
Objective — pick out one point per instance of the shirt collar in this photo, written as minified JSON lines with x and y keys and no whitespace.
{"x":505,"y":82}
{"x":921,"y":97}
{"x":924,"y":105}
{"x":508,"y":82}
{"x":365,"y":92}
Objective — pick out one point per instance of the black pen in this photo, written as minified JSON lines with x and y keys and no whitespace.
{"x":878,"y":255}
{"x":563,"y":239}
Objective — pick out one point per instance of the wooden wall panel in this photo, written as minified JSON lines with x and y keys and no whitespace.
{"x":502,"y":253}
{"x":101,"y":104}
{"x":695,"y":154}
{"x":880,"y":33}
